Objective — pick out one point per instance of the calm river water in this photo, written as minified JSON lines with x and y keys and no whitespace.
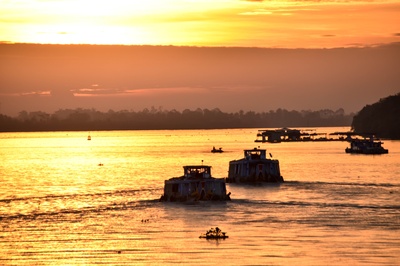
{"x":58,"y":206}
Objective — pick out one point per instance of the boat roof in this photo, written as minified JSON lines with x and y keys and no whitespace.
{"x":255,"y":149}
{"x":196,"y":166}
{"x":255,"y":153}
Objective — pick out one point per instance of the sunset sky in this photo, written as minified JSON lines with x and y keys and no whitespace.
{"x":279,"y":54}
{"x":252,"y":23}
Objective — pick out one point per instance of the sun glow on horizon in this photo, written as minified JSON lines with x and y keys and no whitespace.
{"x":200,"y":23}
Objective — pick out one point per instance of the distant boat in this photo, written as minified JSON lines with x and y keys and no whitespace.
{"x":366,"y":146}
{"x":214,"y":234}
{"x":254,"y":167}
{"x":214,"y":150}
{"x":89,"y":137}
{"x":196,"y":184}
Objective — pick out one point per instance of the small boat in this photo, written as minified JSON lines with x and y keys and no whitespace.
{"x":366,"y":146}
{"x":196,"y":184}
{"x":214,"y":150}
{"x":214,"y":234}
{"x":89,"y":137}
{"x":254,"y":167}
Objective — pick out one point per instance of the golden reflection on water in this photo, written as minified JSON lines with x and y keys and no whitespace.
{"x":59,"y":206}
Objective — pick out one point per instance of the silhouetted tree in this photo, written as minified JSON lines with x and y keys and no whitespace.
{"x":381,"y":118}
{"x":90,"y":119}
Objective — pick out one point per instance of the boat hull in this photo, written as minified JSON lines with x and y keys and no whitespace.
{"x":211,"y":189}
{"x":366,"y":147}
{"x":213,"y":237}
{"x":367,"y":151}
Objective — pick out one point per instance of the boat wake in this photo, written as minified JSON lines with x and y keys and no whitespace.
{"x":31,"y":208}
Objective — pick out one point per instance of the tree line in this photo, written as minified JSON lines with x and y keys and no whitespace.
{"x":153,"y":118}
{"x":381,"y":118}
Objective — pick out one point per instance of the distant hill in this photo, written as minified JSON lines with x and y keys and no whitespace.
{"x":381,"y":118}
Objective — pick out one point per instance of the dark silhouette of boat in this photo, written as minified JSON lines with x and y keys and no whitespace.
{"x":214,"y":234}
{"x":214,"y":150}
{"x":254,"y":167}
{"x":196,"y":184}
{"x":366,"y":146}
{"x":295,"y":135}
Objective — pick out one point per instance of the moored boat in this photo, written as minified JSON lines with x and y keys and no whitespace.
{"x":254,"y":167}
{"x":196,"y":184}
{"x":366,"y":146}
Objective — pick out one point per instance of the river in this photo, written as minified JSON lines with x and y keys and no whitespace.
{"x":65,"y":200}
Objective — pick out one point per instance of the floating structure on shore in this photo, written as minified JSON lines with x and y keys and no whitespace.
{"x":291,"y":135}
{"x":214,"y":234}
{"x":254,"y":167}
{"x":196,"y":184}
{"x":366,"y":146}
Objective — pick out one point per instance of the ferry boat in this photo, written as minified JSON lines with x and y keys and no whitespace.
{"x":196,"y":184}
{"x":366,"y":146}
{"x":254,"y":167}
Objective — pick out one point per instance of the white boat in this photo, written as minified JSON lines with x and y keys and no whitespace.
{"x":254,"y":167}
{"x":196,"y":184}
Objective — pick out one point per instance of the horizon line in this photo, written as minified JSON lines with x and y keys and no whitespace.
{"x":351,"y":46}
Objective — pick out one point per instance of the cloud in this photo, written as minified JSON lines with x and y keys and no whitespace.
{"x":257,"y":12}
{"x":26,"y":93}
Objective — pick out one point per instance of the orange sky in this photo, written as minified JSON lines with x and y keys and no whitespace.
{"x":46,"y":78}
{"x":360,"y":67}
{"x":253,"y":23}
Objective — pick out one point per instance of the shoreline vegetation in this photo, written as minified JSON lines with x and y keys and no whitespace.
{"x":157,"y":119}
{"x":381,"y":118}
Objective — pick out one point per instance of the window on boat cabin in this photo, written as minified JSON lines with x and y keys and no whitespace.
{"x":255,"y":155}
{"x":198,"y":171}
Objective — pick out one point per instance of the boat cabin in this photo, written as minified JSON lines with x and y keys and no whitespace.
{"x":197,"y":171}
{"x":255,"y":154}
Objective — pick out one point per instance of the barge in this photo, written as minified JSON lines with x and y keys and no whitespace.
{"x":196,"y":184}
{"x":254,"y":167}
